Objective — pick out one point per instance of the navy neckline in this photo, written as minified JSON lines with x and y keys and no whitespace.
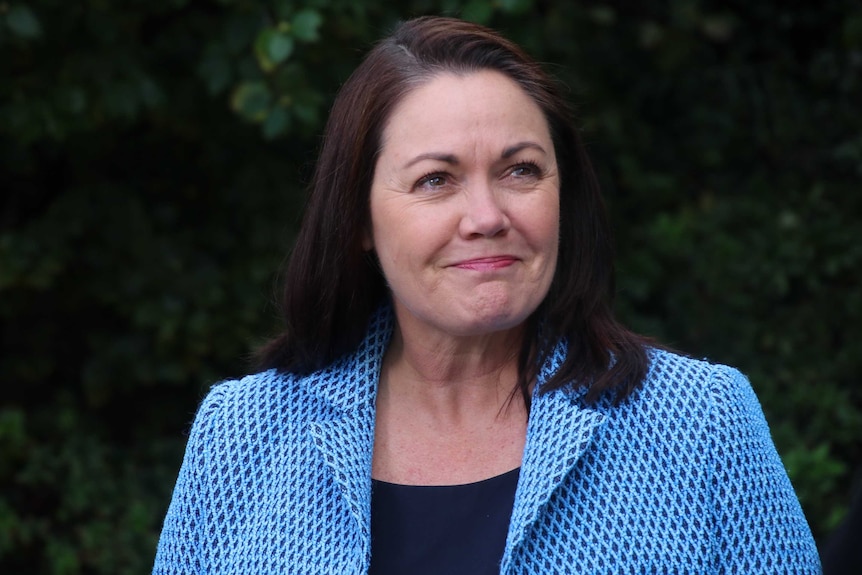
{"x":480,"y":483}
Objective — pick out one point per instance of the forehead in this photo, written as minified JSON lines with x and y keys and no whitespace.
{"x":449,"y":107}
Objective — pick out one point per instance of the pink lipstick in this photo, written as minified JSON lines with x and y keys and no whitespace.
{"x":487,"y":264}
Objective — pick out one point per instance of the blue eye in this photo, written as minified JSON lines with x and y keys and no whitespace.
{"x":435,"y":180}
{"x":525,"y":170}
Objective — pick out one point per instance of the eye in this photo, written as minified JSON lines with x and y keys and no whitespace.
{"x":525,"y":170}
{"x":432,"y":181}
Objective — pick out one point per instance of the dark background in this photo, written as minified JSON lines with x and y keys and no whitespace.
{"x":153,"y":156}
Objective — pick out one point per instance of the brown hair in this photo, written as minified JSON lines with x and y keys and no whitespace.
{"x":332,"y":286}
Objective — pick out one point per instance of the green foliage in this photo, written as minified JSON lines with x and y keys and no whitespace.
{"x":22,"y":22}
{"x":153,"y":157}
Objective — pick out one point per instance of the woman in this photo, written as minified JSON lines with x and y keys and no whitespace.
{"x":451,"y":393}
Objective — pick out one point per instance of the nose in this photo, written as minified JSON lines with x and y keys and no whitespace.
{"x":485,"y":213}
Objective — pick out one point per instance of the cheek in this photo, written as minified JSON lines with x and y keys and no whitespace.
{"x":388,"y":239}
{"x":543,"y":226}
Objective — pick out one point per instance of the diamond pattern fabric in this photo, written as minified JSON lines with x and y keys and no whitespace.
{"x":682,"y":477}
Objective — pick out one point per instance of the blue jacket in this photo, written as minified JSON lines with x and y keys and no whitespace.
{"x":682,"y":477}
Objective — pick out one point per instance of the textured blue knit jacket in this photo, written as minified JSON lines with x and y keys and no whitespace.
{"x":681,"y":478}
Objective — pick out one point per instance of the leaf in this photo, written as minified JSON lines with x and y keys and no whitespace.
{"x":853,"y":32}
{"x":478,"y":11}
{"x":251,"y":100}
{"x":279,"y":47}
{"x":306,"y":24}
{"x":718,"y":28}
{"x":272,"y":47}
{"x":282,"y":8}
{"x":72,"y":99}
{"x":149,"y":92}
{"x":305,"y":112}
{"x":603,"y":15}
{"x":23,"y":22}
{"x":515,"y":6}
{"x":215,"y":71}
{"x":12,"y":428}
{"x":276,"y":123}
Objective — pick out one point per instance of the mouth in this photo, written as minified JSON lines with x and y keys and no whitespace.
{"x":487,"y":263}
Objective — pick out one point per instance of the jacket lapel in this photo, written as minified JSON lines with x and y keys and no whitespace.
{"x":345,"y":445}
{"x":560,"y":429}
{"x":346,"y":441}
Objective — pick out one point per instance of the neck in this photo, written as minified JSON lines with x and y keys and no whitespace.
{"x":452,"y":379}
{"x":447,"y":408}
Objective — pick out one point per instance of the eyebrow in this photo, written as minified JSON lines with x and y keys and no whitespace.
{"x":453,"y":160}
{"x":446,"y":158}
{"x":512,"y":150}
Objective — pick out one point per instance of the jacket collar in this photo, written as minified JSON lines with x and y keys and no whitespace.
{"x":350,"y":382}
{"x":345,"y":441}
{"x":560,"y":429}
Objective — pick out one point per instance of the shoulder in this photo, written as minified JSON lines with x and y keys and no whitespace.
{"x":245,"y":401}
{"x":279,"y":398}
{"x":672,"y":374}
{"x":693,"y":393}
{"x":717,"y":398}
{"x":258,"y":389}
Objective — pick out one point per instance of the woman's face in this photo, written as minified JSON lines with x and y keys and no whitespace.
{"x":465,"y":205}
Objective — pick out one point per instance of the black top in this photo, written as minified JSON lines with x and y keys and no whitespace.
{"x":450,"y":529}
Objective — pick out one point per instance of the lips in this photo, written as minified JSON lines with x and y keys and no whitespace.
{"x":486,"y":263}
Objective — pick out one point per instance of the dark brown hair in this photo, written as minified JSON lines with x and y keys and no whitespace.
{"x":332,"y":286}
